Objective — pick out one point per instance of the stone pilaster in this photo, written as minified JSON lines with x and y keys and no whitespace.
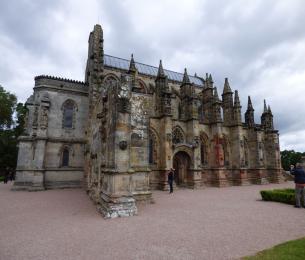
{"x":166,"y":147}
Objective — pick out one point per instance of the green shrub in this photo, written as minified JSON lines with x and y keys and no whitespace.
{"x":289,"y":190}
{"x":1,"y":178}
{"x":279,"y":195}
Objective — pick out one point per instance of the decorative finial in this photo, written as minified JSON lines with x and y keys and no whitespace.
{"x":132,"y":65}
{"x":216,"y":97}
{"x":160,"y":70}
{"x":236,"y":99}
{"x":186,"y":79}
{"x":250,"y":107}
{"x":265,"y":107}
{"x":226,"y":87}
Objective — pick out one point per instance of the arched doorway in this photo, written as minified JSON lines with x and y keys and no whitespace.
{"x":181,"y":164}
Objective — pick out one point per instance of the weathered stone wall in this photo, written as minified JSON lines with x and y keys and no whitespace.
{"x":129,"y":129}
{"x":40,"y":151}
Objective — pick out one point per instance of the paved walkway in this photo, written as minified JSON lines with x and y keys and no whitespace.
{"x":211,"y":223}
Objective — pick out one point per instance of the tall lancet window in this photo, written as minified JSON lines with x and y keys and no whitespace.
{"x":65,"y":157}
{"x":204,"y":149}
{"x":151,"y":152}
{"x":68,"y":114}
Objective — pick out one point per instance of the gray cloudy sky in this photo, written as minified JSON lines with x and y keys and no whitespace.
{"x":258,"y":44}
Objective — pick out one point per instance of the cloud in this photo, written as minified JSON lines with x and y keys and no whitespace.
{"x":259,"y":45}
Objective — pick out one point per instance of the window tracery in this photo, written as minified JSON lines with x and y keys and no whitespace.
{"x":178,"y":136}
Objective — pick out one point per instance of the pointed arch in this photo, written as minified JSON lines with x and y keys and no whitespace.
{"x":69,"y":108}
{"x":111,"y":78}
{"x":142,"y":87}
{"x":65,"y":153}
{"x":178,"y":135}
{"x":204,"y":148}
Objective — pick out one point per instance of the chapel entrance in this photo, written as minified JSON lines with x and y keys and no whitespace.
{"x":181,"y":164}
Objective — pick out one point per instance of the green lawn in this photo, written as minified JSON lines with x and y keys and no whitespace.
{"x":294,"y":249}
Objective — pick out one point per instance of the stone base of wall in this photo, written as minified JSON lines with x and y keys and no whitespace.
{"x":143,"y":196}
{"x":30,"y":180}
{"x":21,"y":186}
{"x":222,"y":177}
{"x":118,"y":207}
{"x":275,"y":176}
{"x":38,"y":180}
{"x":63,"y":184}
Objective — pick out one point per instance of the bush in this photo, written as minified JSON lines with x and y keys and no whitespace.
{"x":279,"y":195}
{"x":1,"y":178}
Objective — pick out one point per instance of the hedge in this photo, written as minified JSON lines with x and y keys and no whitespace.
{"x":279,"y":195}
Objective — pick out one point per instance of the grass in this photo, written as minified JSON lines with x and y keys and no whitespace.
{"x":294,"y":249}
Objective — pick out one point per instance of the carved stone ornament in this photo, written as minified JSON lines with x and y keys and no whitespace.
{"x":169,"y":137}
{"x":123,"y":145}
{"x":44,"y":118}
{"x":125,"y":88}
{"x":196,"y":141}
{"x":35,"y":119}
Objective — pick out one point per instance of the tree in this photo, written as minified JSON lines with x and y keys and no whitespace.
{"x":21,"y":112}
{"x":290,"y":157}
{"x":11,"y":127}
{"x":7,"y":107}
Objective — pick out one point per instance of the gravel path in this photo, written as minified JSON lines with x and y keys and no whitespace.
{"x":211,"y":223}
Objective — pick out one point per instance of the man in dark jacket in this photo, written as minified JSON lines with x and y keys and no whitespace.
{"x":299,"y":179}
{"x":170,"y":180}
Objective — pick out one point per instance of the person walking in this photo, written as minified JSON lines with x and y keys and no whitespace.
{"x":299,"y":179}
{"x":170,"y":179}
{"x":5,"y":177}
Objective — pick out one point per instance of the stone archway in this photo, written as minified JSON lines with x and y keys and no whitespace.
{"x":181,"y":164}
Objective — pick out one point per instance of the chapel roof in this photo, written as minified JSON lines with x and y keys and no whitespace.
{"x":119,"y":63}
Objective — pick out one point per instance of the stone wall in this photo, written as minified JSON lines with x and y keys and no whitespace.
{"x":41,"y":149}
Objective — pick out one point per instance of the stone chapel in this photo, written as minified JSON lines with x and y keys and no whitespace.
{"x":119,"y":132}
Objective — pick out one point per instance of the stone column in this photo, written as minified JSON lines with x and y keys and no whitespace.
{"x":195,"y":169}
{"x":116,"y":192}
{"x":167,"y":149}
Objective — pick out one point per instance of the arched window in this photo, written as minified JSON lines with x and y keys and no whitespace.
{"x":65,"y":157}
{"x":151,"y":151}
{"x":68,"y":108}
{"x":140,"y":88}
{"x":110,"y":80}
{"x":204,"y":148}
{"x":178,"y":136}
